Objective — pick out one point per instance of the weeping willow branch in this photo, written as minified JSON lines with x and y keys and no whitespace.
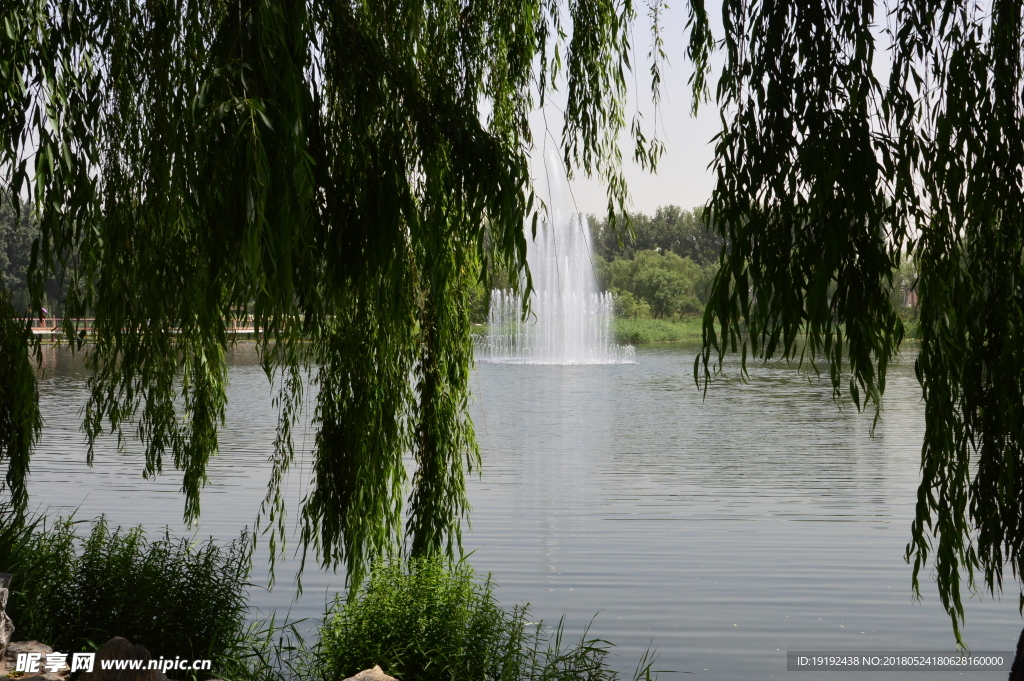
{"x":827,"y":180}
{"x":19,"y":401}
{"x":320,"y":170}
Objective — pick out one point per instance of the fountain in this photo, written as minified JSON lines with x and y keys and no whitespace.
{"x":570,"y":319}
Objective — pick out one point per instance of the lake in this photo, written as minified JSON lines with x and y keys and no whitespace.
{"x":722,"y":531}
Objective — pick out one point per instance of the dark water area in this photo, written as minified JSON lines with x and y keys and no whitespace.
{"x":722,"y":531}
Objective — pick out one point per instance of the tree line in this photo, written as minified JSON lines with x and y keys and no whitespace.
{"x":662,"y":266}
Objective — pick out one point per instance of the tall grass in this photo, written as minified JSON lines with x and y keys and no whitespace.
{"x":171,"y":595}
{"x":16,"y":542}
{"x":428,"y":620}
{"x":268,"y":651}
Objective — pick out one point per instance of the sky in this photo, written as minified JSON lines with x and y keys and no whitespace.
{"x":683,"y":177}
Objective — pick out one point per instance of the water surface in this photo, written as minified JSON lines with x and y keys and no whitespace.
{"x":721,"y":531}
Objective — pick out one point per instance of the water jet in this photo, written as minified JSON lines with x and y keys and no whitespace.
{"x":570,"y":319}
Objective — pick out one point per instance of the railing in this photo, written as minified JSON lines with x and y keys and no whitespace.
{"x":50,"y":326}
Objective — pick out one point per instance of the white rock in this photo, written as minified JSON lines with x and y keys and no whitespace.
{"x":15,"y":648}
{"x":375,"y":674}
{"x":6,"y":625}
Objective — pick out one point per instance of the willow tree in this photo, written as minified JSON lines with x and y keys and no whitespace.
{"x":827,"y":179}
{"x":323,"y":171}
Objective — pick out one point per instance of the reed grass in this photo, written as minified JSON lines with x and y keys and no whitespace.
{"x":266,"y":650}
{"x":174,"y":596}
{"x":16,"y":542}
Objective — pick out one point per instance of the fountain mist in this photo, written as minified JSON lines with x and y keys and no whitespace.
{"x":570,"y":319}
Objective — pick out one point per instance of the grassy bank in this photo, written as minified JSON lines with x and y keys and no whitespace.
{"x":639,"y":331}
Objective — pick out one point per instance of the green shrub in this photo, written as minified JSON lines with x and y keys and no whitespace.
{"x":421,"y":621}
{"x":628,"y":306}
{"x":428,"y":620}
{"x":669,"y":285}
{"x":170,"y":595}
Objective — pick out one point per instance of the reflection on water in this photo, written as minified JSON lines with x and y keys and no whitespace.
{"x":722,"y":531}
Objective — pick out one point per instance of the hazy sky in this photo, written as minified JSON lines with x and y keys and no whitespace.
{"x":683,"y":177}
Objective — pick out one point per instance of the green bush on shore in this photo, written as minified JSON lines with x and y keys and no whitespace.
{"x":418,"y":621}
{"x":428,"y":620}
{"x":424,"y":620}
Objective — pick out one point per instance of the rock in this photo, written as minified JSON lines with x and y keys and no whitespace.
{"x":375,"y":674}
{"x":119,"y":648}
{"x":16,"y":648}
{"x":116,"y":648}
{"x":6,"y":625}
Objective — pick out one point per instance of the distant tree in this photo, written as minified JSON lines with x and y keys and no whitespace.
{"x":670,"y":229}
{"x":15,"y":253}
{"x":904,"y":288}
{"x":17,"y":238}
{"x":628,"y":306}
{"x":665,"y":284}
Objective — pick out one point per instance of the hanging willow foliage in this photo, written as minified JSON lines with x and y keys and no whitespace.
{"x":323,"y":171}
{"x":827,"y":179}
{"x":320,"y":170}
